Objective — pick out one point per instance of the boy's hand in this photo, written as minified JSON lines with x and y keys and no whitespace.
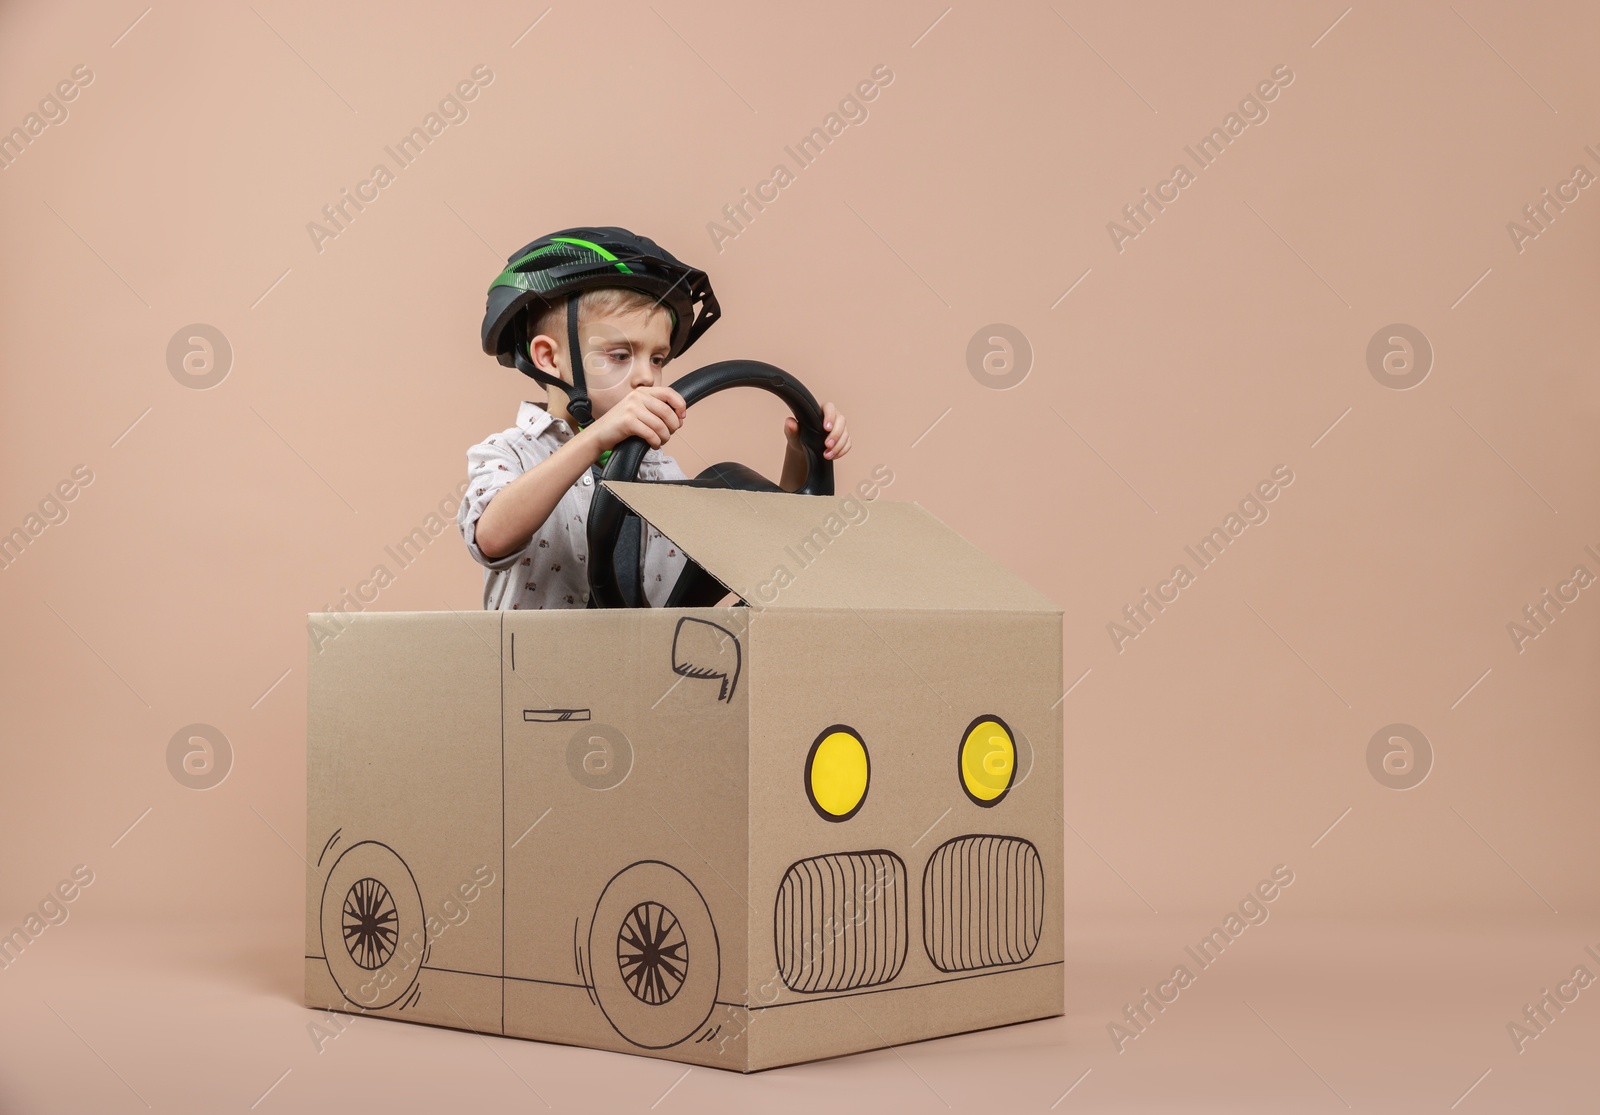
{"x":835,"y":445}
{"x":653,"y":413}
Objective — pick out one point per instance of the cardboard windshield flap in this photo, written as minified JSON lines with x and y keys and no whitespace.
{"x":824,"y":820}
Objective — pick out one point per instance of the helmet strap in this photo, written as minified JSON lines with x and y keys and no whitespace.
{"x":520,"y":356}
{"x":578,"y":395}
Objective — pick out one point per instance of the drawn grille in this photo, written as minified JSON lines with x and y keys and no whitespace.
{"x":982,"y":902}
{"x":840,"y":921}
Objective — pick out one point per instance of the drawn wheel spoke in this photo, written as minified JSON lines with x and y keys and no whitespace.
{"x":370,"y":924}
{"x":652,"y":953}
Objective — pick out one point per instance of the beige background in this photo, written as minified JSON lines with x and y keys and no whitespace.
{"x":1229,"y":338}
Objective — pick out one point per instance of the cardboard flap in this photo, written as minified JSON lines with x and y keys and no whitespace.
{"x":779,"y":550}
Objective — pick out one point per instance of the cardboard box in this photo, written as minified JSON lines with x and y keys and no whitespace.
{"x":823,"y":821}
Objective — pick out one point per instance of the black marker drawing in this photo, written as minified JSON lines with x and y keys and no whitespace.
{"x":583,"y":970}
{"x":655,"y":958}
{"x":553,"y":715}
{"x":373,"y":929}
{"x":331,"y":840}
{"x":982,"y":902}
{"x":811,"y":759}
{"x":701,"y":649}
{"x":647,"y":953}
{"x":652,"y":953}
{"x":840,"y":921}
{"x":1009,"y":738}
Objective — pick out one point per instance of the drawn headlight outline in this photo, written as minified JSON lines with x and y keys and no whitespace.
{"x":986,"y":761}
{"x":837,"y":773}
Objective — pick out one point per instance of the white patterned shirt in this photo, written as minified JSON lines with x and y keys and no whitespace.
{"x":552,"y":571}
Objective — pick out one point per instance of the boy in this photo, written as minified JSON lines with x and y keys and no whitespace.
{"x":628,"y":307}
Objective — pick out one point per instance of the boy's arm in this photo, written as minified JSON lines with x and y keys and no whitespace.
{"x":516,"y":511}
{"x":513,"y":513}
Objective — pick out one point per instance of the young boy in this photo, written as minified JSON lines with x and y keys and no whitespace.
{"x":628,"y":307}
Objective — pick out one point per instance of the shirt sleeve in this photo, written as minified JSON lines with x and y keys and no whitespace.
{"x":491,"y":465}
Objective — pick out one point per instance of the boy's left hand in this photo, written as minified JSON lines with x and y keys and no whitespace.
{"x":837,"y":442}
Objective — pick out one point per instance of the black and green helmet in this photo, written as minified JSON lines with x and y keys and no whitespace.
{"x":574,"y":260}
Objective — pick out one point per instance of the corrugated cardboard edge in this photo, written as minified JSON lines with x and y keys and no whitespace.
{"x":690,"y":518}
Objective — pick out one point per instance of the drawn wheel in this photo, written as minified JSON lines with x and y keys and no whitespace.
{"x":655,"y":957}
{"x":372,"y":925}
{"x":652,"y":953}
{"x":369,"y":924}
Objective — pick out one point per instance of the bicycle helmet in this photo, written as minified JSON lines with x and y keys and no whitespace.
{"x":567,"y":263}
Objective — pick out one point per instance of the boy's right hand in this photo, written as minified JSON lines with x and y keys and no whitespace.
{"x":653,"y":413}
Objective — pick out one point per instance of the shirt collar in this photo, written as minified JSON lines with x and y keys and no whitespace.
{"x":535,"y":419}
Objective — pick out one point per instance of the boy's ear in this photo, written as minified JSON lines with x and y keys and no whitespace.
{"x":546,"y":355}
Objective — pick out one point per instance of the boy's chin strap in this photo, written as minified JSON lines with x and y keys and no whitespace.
{"x":578,"y":396}
{"x":577,"y":393}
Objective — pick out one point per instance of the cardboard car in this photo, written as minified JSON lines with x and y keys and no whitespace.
{"x":826,"y":818}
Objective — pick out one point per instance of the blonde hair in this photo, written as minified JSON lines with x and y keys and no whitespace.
{"x":606,"y":301}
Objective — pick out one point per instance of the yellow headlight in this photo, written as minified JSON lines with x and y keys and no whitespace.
{"x":988,"y":760}
{"x":837,"y":772}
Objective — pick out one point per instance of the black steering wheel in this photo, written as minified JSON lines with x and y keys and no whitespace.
{"x":608,"y":516}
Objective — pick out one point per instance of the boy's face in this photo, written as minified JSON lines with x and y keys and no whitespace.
{"x":620,"y":352}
